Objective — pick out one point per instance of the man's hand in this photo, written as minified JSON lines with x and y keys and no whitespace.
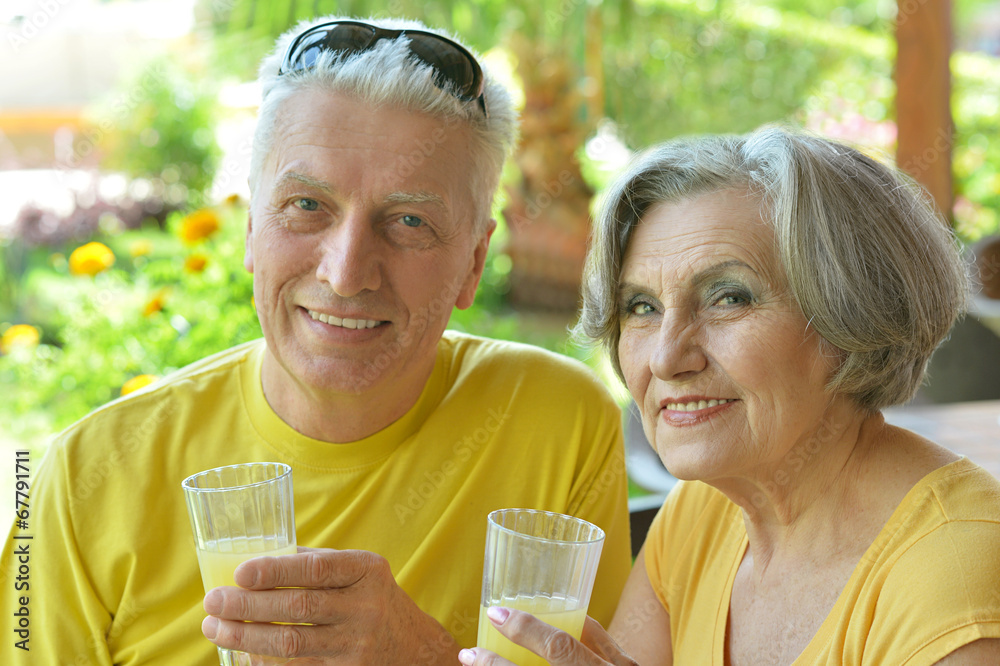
{"x":356,"y":612}
{"x":557,"y":647}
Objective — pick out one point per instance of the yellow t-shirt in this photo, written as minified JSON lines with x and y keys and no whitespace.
{"x":929,"y":584}
{"x":113,"y":573}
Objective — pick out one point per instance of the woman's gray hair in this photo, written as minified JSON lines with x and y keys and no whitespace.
{"x":389,"y":75}
{"x":875,"y":270}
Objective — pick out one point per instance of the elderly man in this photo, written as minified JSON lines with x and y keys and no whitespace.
{"x":375,"y":161}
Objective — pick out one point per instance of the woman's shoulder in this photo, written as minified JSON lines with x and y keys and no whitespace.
{"x":935,"y":586}
{"x":694,"y":520}
{"x":956,"y":492}
{"x":943,"y":538}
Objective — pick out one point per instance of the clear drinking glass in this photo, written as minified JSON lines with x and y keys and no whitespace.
{"x":540,"y":562}
{"x":237,"y":513}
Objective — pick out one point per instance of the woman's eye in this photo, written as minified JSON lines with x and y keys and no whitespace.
{"x":411,"y":221}
{"x":640,"y":308}
{"x":733,"y":298}
{"x":307,"y":204}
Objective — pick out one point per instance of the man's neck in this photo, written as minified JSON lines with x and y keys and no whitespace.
{"x":337,"y":418}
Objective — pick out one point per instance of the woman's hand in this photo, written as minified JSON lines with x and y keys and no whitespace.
{"x":554,"y":645}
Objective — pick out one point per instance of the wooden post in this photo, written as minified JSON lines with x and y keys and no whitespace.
{"x":923,"y":96}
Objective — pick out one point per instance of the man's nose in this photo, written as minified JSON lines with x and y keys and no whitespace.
{"x":350,"y":260}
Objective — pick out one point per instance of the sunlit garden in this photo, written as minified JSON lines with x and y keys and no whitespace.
{"x":143,"y":273}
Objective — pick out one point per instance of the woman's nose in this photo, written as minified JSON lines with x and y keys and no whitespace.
{"x":676,"y":352}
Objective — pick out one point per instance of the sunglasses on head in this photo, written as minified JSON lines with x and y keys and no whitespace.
{"x":456,"y":70}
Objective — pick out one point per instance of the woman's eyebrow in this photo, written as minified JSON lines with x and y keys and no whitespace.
{"x":698,"y":278}
{"x":718,"y":269}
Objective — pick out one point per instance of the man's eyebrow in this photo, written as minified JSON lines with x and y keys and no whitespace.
{"x":301,"y":178}
{"x":415,"y":198}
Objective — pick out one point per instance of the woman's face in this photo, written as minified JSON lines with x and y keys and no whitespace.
{"x":727,"y":373}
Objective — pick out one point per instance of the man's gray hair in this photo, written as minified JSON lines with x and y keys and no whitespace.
{"x":389,"y":75}
{"x":875,"y":270}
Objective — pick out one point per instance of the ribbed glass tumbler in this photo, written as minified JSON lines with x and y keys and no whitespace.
{"x":237,"y":513}
{"x":540,"y":562}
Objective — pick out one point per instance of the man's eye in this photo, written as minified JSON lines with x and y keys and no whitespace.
{"x":411,"y":221}
{"x":307,"y":204}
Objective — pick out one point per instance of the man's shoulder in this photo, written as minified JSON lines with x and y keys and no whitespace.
{"x":507,"y":362}
{"x":161,"y":400}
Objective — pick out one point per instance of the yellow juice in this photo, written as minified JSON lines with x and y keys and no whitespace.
{"x":219,"y":560}
{"x":570,"y":621}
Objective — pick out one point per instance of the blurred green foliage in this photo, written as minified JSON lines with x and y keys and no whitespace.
{"x":675,"y":67}
{"x":147,"y":314}
{"x":162,"y":128}
{"x":666,"y":68}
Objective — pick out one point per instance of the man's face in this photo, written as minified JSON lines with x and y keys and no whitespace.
{"x":361,"y":240}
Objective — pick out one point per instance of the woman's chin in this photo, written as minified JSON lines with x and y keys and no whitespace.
{"x":688,"y":463}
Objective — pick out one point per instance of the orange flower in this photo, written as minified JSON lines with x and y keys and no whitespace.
{"x":137,"y":383}
{"x":91,"y":259}
{"x":195,"y":263}
{"x":140,"y":248}
{"x":199,"y":225}
{"x":155,"y":304}
{"x":19,"y":335}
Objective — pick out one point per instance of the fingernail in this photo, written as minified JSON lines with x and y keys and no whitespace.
{"x":498,"y":614}
{"x":240,"y":578}
{"x":210,"y":627}
{"x":467,"y":657}
{"x":213,"y":601}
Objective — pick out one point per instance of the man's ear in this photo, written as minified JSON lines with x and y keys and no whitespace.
{"x":248,"y":253}
{"x":467,"y":295}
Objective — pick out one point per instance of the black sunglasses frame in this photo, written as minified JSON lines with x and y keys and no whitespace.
{"x":465,"y":91}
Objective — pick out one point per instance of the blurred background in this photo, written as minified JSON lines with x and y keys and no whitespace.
{"x":125,"y":130}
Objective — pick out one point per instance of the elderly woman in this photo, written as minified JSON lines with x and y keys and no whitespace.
{"x":763,"y":298}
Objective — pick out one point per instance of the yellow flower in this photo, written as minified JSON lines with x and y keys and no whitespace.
{"x":140,"y":248}
{"x":199,"y":225}
{"x":137,"y":383}
{"x":19,"y":335}
{"x":155,"y":304}
{"x":195,"y":263}
{"x":91,"y":259}
{"x":234,"y":200}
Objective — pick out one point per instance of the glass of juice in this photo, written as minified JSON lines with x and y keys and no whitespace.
{"x":237,"y":513}
{"x":540,"y":562}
